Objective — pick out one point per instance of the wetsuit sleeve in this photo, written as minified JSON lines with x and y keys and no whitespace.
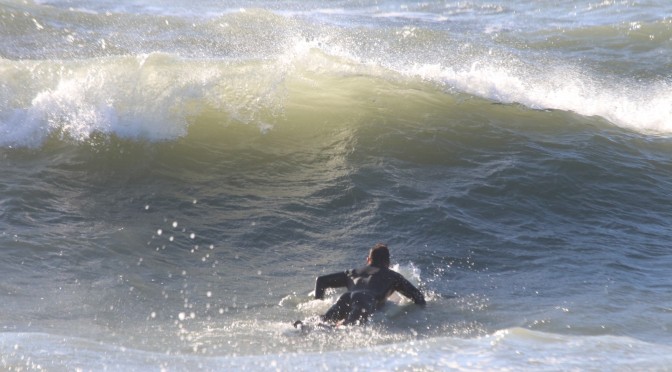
{"x":407,"y":289}
{"x":329,"y":281}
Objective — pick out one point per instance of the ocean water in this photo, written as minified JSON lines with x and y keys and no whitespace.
{"x":174,"y":175}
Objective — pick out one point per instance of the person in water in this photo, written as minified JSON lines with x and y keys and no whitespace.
{"x":368,"y":288}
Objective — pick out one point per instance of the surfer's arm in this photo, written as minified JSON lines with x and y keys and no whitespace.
{"x":407,"y":289}
{"x":329,"y":281}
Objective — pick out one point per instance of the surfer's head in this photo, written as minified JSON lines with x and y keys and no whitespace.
{"x":379,"y":256}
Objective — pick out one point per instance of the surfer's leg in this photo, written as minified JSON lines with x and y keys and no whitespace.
{"x":363,"y":304}
{"x":339,"y":310}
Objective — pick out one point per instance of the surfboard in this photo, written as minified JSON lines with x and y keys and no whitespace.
{"x":306,"y":326}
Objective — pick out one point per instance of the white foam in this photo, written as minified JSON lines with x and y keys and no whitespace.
{"x":101,"y":97}
{"x":414,"y":16}
{"x":645,"y":108}
{"x":148,"y":97}
{"x":508,"y":349}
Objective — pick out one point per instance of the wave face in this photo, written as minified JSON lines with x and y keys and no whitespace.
{"x":80,"y":71}
{"x":176,"y":175}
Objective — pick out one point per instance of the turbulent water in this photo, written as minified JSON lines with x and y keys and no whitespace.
{"x":175,"y":176}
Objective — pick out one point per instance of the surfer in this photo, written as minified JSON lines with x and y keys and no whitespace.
{"x":368,"y":288}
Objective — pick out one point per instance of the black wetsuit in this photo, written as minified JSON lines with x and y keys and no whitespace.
{"x":368,"y":288}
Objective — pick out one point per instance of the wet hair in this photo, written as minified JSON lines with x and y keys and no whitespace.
{"x":380,"y":255}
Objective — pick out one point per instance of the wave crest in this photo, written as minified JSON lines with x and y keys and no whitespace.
{"x":157,"y":96}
